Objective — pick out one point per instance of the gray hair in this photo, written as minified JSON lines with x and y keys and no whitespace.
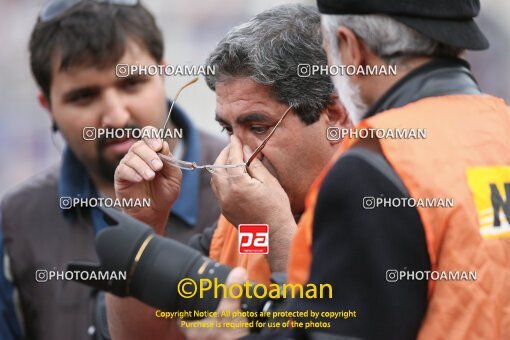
{"x":389,"y":39}
{"x":268,"y":49}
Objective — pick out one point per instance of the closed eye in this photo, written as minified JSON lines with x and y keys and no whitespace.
{"x":259,"y":129}
{"x":227,"y":129}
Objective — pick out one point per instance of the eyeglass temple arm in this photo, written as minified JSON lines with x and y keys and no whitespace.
{"x":192,"y":81}
{"x":261,"y":146}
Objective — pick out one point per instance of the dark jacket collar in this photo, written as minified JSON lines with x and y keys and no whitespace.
{"x":439,"y":77}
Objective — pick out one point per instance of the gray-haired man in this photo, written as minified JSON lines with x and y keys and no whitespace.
{"x":256,"y":81}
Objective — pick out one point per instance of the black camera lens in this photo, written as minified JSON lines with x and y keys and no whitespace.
{"x":155,"y":265}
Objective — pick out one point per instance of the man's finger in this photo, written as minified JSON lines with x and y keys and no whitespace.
{"x":124,"y":173}
{"x":219,"y":181}
{"x":169,"y":171}
{"x":237,"y":276}
{"x":256,"y":169}
{"x":215,"y":189}
{"x":236,"y":151}
{"x":165,"y":150}
{"x":134,"y":161}
{"x":235,"y":156}
{"x":223,"y":156}
{"x":154,"y":143}
{"x":149,"y":156}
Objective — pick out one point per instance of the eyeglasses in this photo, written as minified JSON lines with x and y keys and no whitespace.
{"x":221,"y":170}
{"x":54,"y":8}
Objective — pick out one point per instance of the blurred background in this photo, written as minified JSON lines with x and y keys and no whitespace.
{"x":191,"y":30}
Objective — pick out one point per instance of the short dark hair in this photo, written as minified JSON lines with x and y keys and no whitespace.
{"x":90,"y":33}
{"x":268,"y":49}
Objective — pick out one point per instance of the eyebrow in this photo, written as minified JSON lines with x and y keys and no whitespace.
{"x":131,"y":77}
{"x":246,"y":118}
{"x":67,"y":96}
{"x":95,"y":88}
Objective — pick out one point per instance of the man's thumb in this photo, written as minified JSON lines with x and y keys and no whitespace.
{"x":169,"y":170}
{"x":237,"y":275}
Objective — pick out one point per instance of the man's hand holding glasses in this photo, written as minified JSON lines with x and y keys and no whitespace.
{"x":253,"y":195}
{"x":141,"y":174}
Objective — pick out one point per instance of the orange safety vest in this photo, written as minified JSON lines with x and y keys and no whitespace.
{"x":466,"y":156}
{"x":224,"y":249}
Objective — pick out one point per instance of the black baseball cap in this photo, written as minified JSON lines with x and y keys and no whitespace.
{"x":447,"y":21}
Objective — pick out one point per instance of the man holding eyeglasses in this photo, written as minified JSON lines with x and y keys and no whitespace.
{"x":74,"y":49}
{"x":396,"y":264}
{"x":277,"y":121}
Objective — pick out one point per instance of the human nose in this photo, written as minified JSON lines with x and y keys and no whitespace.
{"x":115,"y":112}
